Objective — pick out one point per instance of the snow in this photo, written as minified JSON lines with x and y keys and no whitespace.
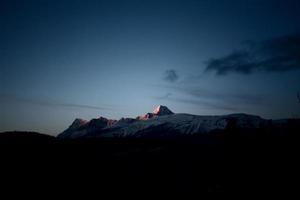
{"x":158,"y":111}
{"x":162,"y":110}
{"x":185,"y":124}
{"x":161,"y":117}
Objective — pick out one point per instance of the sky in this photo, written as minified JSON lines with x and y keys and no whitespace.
{"x":67,"y":59}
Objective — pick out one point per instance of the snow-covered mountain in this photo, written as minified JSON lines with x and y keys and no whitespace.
{"x":158,"y":111}
{"x":161,"y":122}
{"x":162,"y":110}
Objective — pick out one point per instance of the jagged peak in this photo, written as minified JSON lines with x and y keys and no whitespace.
{"x":162,"y":110}
{"x":102,"y":118}
{"x":78,"y":122}
{"x":158,"y":111}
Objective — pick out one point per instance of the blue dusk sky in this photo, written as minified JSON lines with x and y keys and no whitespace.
{"x":67,"y":59}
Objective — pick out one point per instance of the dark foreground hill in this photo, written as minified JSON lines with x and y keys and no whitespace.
{"x":224,"y":161}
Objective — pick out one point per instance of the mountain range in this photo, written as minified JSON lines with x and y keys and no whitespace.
{"x":162,"y":122}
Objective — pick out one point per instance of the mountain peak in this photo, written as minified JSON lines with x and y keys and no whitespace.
{"x":78,"y":122}
{"x":162,"y":110}
{"x":158,"y":111}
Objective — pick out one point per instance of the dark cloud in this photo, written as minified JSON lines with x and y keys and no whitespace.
{"x":12,"y":98}
{"x":171,"y":75}
{"x":274,"y":55}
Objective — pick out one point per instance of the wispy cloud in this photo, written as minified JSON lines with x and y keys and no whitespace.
{"x":210,"y":99}
{"x":273,"y":55}
{"x":170,"y":76}
{"x":200,"y":93}
{"x":207,"y":104}
{"x":12,"y":98}
{"x":166,"y":96}
{"x":225,"y":97}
